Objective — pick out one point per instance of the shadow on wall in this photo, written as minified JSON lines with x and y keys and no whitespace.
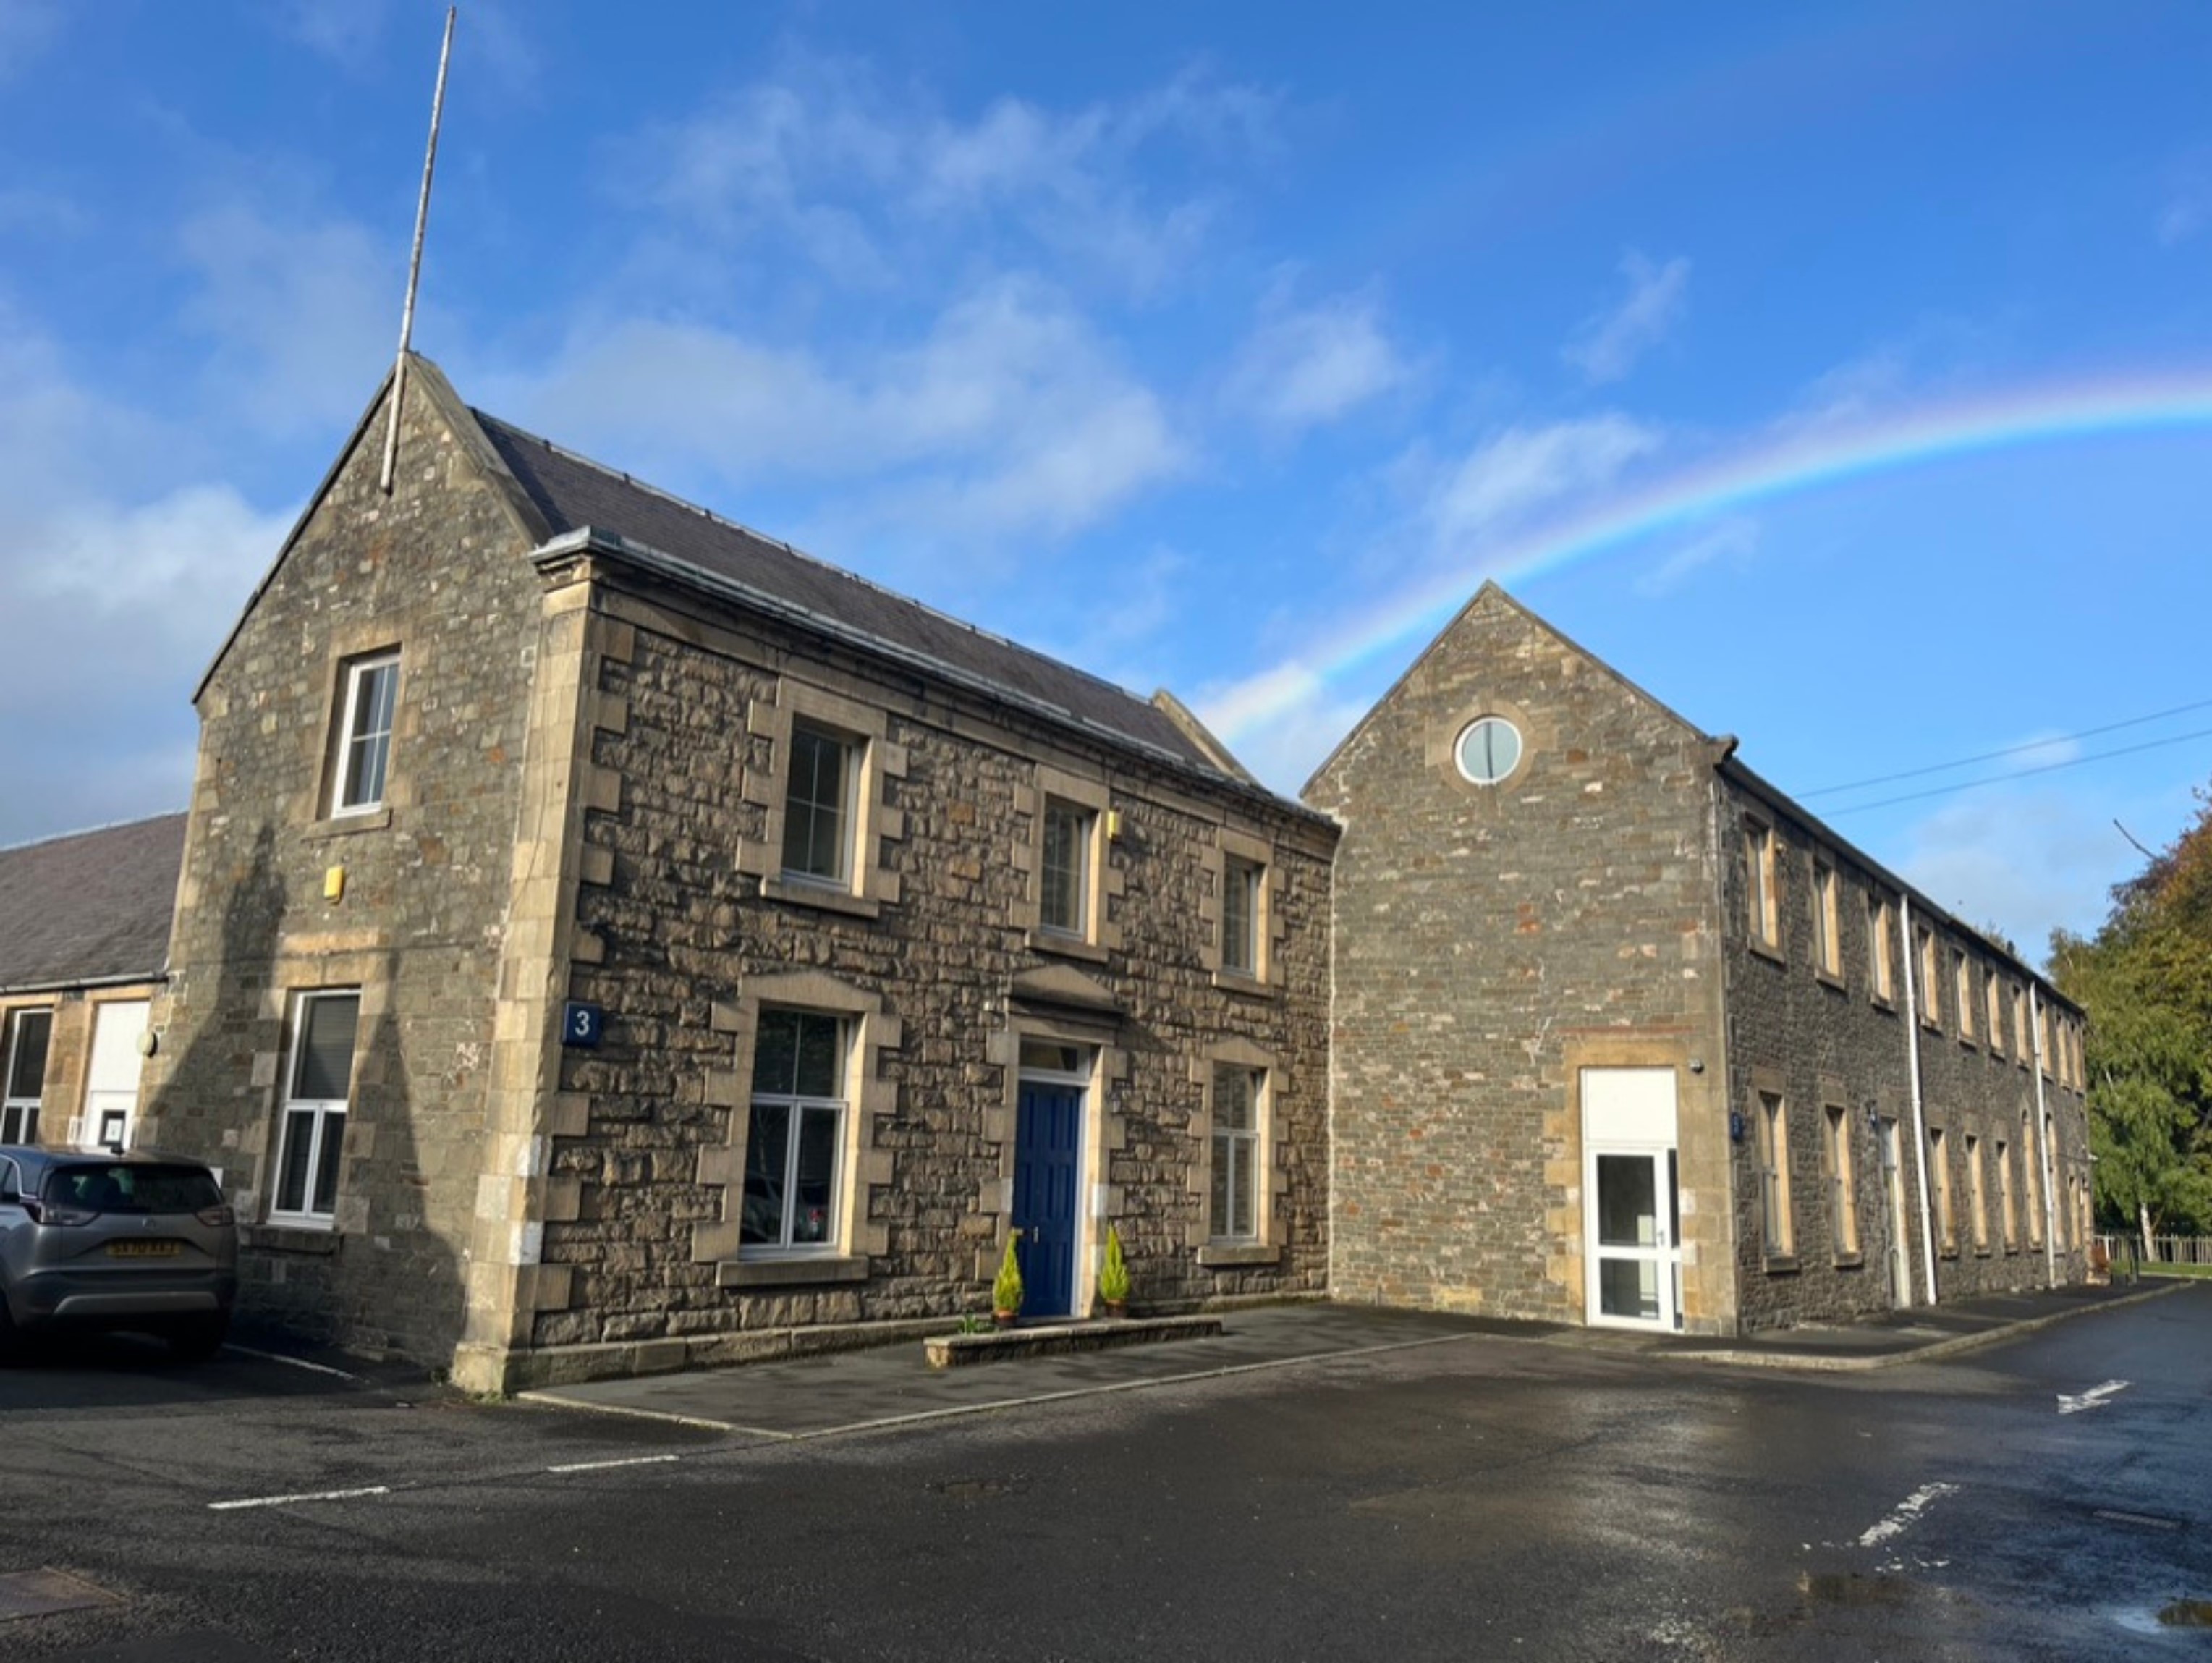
{"x":367,"y":1272}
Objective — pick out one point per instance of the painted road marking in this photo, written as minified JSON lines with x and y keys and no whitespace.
{"x":293,"y":1362}
{"x":1902,"y":1516}
{"x":2095,"y":1397}
{"x":287,"y":1501}
{"x":601,"y":1466}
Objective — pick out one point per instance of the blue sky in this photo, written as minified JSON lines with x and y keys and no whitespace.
{"x":1216,"y":347}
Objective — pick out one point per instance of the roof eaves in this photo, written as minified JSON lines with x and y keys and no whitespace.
{"x":590,"y":541}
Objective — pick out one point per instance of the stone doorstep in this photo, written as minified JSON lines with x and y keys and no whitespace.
{"x":1003,"y":1345}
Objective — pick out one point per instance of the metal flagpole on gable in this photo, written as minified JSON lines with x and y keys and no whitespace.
{"x":414,"y":261}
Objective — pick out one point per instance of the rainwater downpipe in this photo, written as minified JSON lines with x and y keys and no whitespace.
{"x":1919,"y":1117}
{"x":2042,"y":1138}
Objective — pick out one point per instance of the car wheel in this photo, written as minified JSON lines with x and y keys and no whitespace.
{"x":200,"y":1339}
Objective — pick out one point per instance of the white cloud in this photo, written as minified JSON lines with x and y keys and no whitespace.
{"x":1009,"y":415}
{"x":2188,"y":207}
{"x":1308,"y":366}
{"x":303,"y":316}
{"x":1735,"y":540}
{"x":117,"y":590}
{"x":346,"y":33}
{"x":1607,"y":345}
{"x":1509,"y":476}
{"x":2022,"y":859}
{"x":866,"y":185}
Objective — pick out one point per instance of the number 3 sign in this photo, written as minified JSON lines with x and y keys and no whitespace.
{"x":581,"y":1024}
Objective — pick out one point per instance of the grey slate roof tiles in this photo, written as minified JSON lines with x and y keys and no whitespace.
{"x":573,"y":494}
{"x":91,"y":907}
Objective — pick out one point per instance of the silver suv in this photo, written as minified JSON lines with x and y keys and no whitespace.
{"x":94,"y":1239}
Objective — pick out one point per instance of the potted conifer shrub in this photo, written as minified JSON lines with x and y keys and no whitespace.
{"x":1006,"y":1285}
{"x":1114,"y":1277}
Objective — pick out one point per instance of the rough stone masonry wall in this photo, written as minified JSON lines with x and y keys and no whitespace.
{"x":436,"y":570}
{"x":672,"y":936}
{"x":1822,"y":1042}
{"x":1490,"y":943}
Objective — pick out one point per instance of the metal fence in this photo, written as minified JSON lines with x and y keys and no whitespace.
{"x":2164,"y":1250}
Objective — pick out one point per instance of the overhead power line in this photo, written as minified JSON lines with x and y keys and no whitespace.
{"x":2022,"y":773}
{"x":2008,"y":751}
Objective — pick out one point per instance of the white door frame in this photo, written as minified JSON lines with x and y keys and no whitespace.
{"x":1631,"y":1112}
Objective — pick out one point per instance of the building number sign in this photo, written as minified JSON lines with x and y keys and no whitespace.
{"x":581,"y":1024}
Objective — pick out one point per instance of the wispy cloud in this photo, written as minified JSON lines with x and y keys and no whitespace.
{"x":1734,"y":540}
{"x":1607,"y":345}
{"x":27,"y":27}
{"x":2024,"y":859}
{"x":1304,"y":367}
{"x":1010,"y":415}
{"x":865,"y":184}
{"x":1508,"y":477}
{"x":2188,"y":208}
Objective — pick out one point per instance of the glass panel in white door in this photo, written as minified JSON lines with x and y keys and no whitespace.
{"x":1634,"y":1240}
{"x":111,"y":1087}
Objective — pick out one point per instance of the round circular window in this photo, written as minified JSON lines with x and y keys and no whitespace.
{"x":1488,"y":750}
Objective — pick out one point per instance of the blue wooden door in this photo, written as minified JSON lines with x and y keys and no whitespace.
{"x":1047,"y":1149}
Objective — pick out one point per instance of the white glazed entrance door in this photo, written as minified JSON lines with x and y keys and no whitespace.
{"x":1631,"y":1199}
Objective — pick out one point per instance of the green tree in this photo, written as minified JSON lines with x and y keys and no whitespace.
{"x":2145,"y":979}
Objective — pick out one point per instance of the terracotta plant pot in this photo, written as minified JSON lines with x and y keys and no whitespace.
{"x":1116,"y":1309}
{"x":1005,"y":1319}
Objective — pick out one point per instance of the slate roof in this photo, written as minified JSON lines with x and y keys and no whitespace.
{"x":573,"y":494}
{"x":92,"y":907}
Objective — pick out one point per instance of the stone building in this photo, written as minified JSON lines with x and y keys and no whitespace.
{"x":84,"y":933}
{"x":609,"y":939}
{"x":1620,"y":1034}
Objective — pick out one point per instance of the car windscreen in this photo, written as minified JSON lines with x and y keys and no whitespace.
{"x":102,"y":1186}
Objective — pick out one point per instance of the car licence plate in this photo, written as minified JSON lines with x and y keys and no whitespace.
{"x":144,"y":1249}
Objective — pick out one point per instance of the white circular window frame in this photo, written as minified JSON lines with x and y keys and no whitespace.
{"x":1467,"y":731}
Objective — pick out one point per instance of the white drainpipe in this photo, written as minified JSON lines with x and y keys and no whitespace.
{"x":2042,"y":1131}
{"x":1912,"y":1063}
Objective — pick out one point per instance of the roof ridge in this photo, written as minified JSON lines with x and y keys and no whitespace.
{"x":94,"y":831}
{"x":797,"y":553}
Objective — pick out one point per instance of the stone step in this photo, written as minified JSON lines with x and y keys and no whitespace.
{"x":1057,"y":1339}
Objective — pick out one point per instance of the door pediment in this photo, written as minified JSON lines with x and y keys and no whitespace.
{"x":1064,"y":987}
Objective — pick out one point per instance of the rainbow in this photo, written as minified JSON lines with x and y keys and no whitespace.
{"x":1785,"y":466}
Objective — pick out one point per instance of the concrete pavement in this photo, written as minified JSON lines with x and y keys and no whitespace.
{"x":893,"y":1385}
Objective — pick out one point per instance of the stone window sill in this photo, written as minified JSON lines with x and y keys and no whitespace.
{"x":290,"y":1238}
{"x":1947,"y":1252}
{"x":1222,"y":1255}
{"x":791,"y":1272}
{"x":1829,"y":978}
{"x":1981,"y":1253}
{"x":1782,"y":1265}
{"x":1064,"y":946}
{"x":1251,"y":987}
{"x":1771,"y":951}
{"x":1850,"y":1261}
{"x":821,"y":896}
{"x":345,"y":826}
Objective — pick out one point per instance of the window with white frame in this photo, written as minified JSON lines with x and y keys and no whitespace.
{"x":796,"y":1134}
{"x":818,"y":802}
{"x":2022,"y":1045}
{"x":1064,"y":890}
{"x":1993,"y":1010}
{"x":2034,"y":1190}
{"x":1962,"y":978}
{"x":1241,"y":886}
{"x":23,"y":1074}
{"x":1931,"y":992}
{"x":318,"y":1087}
{"x":1774,"y":1174}
{"x":1238,"y":1094}
{"x":1843,"y":1185}
{"x":364,"y":749}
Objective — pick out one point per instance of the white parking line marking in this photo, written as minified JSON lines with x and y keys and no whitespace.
{"x":2095,"y":1397}
{"x":287,"y":1501}
{"x":293,"y":1363}
{"x":601,"y":1466}
{"x":1902,"y":1516}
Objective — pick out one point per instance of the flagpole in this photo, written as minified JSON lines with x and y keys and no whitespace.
{"x":415,"y":259}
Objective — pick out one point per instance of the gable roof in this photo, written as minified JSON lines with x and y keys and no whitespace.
{"x":90,"y":908}
{"x":575,"y":495}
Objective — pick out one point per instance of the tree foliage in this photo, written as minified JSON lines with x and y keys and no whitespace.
{"x":2145,"y":979}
